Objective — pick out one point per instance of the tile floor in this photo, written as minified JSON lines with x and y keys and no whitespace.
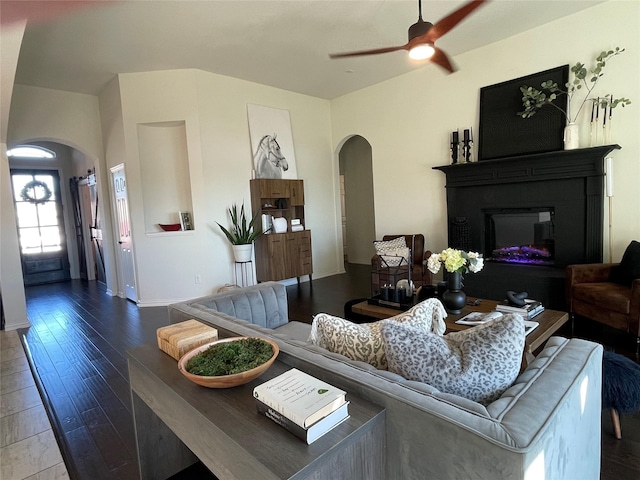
{"x":28,"y":448}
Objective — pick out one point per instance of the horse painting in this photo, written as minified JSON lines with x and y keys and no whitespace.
{"x":268,"y":159}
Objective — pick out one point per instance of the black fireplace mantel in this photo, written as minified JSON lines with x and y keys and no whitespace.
{"x":582,"y":162}
{"x":569,"y":183}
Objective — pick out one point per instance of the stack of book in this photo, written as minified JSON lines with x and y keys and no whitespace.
{"x":304,"y":405}
{"x":530,"y":309}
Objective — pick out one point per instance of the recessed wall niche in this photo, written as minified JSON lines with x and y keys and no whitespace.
{"x":164,"y":170}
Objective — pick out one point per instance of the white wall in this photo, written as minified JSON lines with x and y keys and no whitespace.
{"x":214,"y":109}
{"x":114,"y":154}
{"x":11,"y":282}
{"x":225,"y":137}
{"x":408,"y":119}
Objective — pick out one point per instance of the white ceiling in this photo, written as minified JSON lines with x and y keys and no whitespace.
{"x":284,"y":44}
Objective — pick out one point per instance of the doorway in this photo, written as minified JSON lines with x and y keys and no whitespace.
{"x":40,"y":224}
{"x":84,"y":198}
{"x":125,"y":242}
{"x":356,"y":193}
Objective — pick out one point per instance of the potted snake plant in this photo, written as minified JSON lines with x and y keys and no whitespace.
{"x":242,"y":233}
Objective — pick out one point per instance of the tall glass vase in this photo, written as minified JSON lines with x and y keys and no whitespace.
{"x":454,"y":299}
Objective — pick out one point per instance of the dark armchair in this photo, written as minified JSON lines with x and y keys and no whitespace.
{"x":608,"y":293}
{"x":418,"y":255}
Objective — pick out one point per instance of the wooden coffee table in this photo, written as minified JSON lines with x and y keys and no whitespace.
{"x":550,"y":320}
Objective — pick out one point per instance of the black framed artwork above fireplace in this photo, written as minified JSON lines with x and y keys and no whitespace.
{"x":530,"y":216}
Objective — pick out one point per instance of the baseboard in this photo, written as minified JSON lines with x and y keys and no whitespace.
{"x":9,"y":327}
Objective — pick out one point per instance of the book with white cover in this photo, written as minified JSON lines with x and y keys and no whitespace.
{"x":478,"y":318}
{"x":529,"y":307}
{"x":300,"y":397}
{"x":529,"y":327}
{"x":312,"y":433}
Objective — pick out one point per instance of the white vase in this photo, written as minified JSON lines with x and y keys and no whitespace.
{"x":242,"y":253}
{"x":571,"y":136}
{"x":280,"y":225}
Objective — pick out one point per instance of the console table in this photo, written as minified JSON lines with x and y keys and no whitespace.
{"x":178,"y":422}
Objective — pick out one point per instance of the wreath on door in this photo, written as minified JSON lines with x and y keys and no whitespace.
{"x":36,"y":191}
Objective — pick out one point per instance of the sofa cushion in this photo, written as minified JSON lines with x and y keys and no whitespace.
{"x":393,"y":252}
{"x":605,"y":295}
{"x":295,"y":330}
{"x":362,"y":342}
{"x":264,"y":304}
{"x":479,"y":363}
{"x":629,"y":268}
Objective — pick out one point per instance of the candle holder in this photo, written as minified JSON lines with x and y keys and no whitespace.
{"x":467,"y":144}
{"x":455,"y":146}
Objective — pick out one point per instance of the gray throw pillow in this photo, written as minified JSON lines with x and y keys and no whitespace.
{"x":479,"y":363}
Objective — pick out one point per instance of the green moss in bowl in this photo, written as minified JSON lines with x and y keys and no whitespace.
{"x":229,"y":358}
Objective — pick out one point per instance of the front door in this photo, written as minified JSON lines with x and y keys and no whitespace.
{"x":124,"y":232}
{"x":43,"y":246}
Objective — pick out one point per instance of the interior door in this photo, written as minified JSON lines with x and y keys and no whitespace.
{"x":74,"y":190}
{"x":124,"y":233}
{"x":95,"y":227}
{"x":43,"y":244}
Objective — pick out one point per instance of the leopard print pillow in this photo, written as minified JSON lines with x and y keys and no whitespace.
{"x":363,"y":342}
{"x":479,"y":363}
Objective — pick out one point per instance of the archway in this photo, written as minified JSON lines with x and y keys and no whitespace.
{"x":79,"y":195}
{"x":357,"y":200}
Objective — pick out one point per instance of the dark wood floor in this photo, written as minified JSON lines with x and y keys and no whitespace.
{"x":78,"y":342}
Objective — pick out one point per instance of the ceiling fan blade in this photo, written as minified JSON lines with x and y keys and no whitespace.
{"x":451,"y":20}
{"x":442,"y":60}
{"x":368,"y":52}
{"x":42,"y":10}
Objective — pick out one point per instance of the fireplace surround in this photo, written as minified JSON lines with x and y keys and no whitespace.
{"x":556,"y":201}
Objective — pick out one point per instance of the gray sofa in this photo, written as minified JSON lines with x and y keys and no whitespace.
{"x":546,"y":426}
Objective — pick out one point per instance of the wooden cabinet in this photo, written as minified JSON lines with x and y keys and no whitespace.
{"x":281,"y":255}
{"x":296,"y":190}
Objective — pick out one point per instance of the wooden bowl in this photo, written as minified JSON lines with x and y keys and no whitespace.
{"x":225,"y":381}
{"x":169,"y":227}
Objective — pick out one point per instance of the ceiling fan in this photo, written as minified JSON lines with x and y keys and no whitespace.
{"x":422,"y":37}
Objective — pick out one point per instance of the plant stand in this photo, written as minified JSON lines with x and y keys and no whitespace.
{"x":243,"y":272}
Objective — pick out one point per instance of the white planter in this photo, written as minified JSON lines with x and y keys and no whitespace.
{"x":571,"y":136}
{"x":242,"y":253}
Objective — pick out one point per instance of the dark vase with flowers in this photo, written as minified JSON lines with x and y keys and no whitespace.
{"x":454,"y":298}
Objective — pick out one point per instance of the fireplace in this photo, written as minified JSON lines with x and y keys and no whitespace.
{"x":530,"y":216}
{"x":520,"y":235}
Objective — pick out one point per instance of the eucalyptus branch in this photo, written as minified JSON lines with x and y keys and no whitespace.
{"x":534,"y":99}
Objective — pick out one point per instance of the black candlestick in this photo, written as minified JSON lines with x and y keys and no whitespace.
{"x":466,"y":147}
{"x":454,"y":146}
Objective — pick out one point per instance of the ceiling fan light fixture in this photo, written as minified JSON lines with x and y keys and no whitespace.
{"x":422,"y":51}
